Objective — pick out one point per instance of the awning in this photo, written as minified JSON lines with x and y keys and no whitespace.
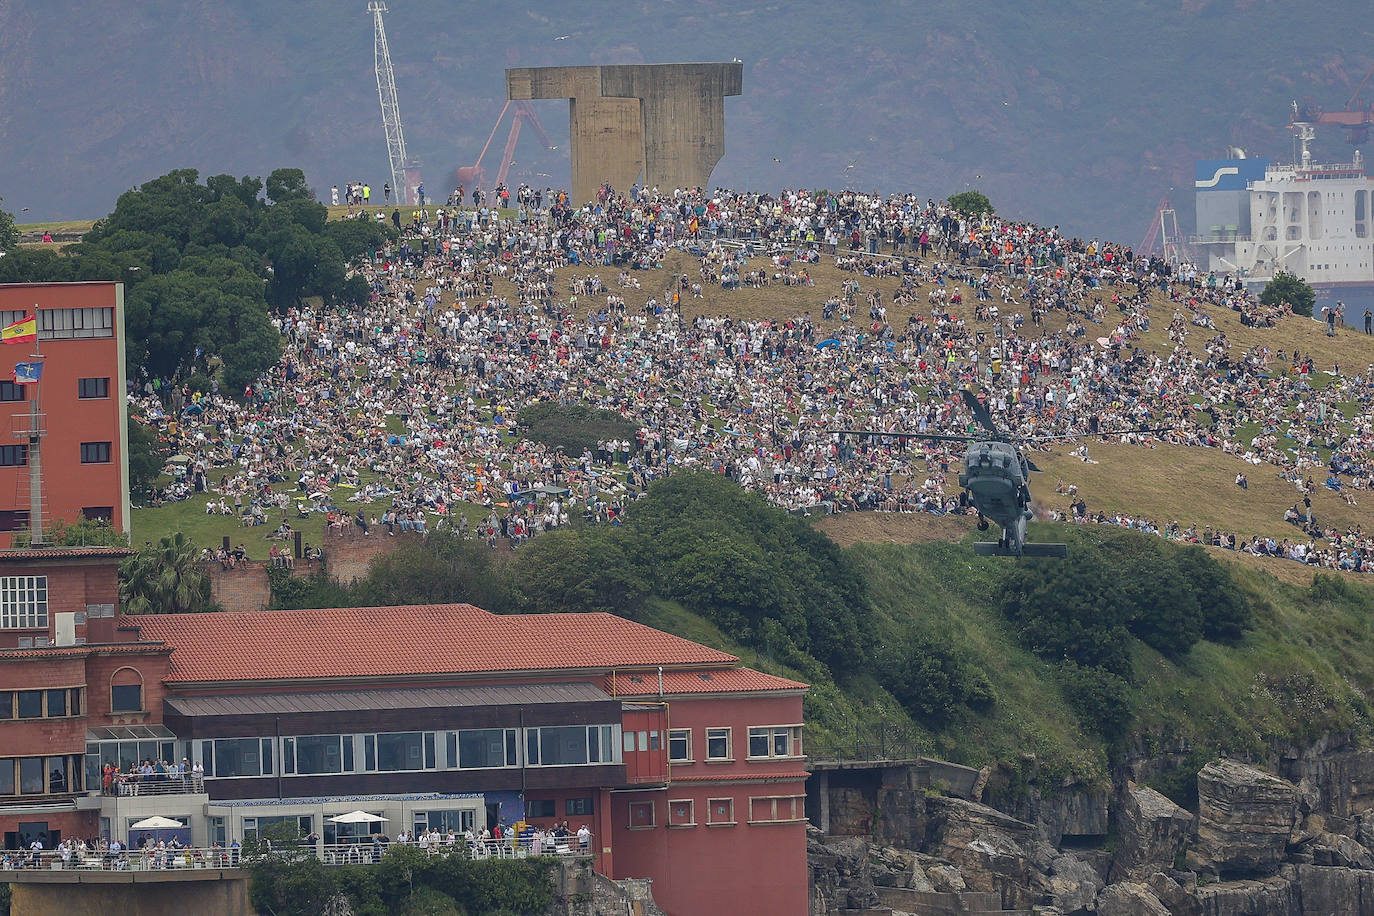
{"x":362,"y":700}
{"x":129,"y":733}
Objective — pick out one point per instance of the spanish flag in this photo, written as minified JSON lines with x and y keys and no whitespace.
{"x":25,"y":330}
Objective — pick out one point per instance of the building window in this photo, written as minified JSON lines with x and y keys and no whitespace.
{"x":641,"y":815}
{"x":40,"y":775}
{"x":37,"y":704}
{"x":718,"y":744}
{"x":126,"y":691}
{"x":13,"y":519}
{"x":300,"y":824}
{"x":770,"y":741}
{"x":95,"y":453}
{"x":720,"y":812}
{"x":87,"y":388}
{"x":31,"y":778}
{"x":9,"y":391}
{"x":241,"y":757}
{"x":23,"y":602}
{"x":578,"y":806}
{"x":481,"y":748}
{"x":543,"y":807}
{"x":569,"y":745}
{"x":777,"y":809}
{"x":399,"y":751}
{"x":681,"y":813}
{"x":680,"y":745}
{"x":98,"y":513}
{"x":14,"y":456}
{"x":68,"y":324}
{"x":30,"y":704}
{"x":317,"y":755}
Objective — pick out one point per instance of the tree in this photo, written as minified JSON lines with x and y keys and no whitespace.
{"x":164,"y":578}
{"x":9,"y":232}
{"x":287,"y":184}
{"x":1290,"y":289}
{"x":146,"y":458}
{"x":971,"y":203}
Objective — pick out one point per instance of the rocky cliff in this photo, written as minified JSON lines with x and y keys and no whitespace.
{"x":1259,"y":844}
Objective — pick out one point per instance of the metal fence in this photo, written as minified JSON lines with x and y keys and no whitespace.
{"x":361,"y":853}
{"x":885,"y":741}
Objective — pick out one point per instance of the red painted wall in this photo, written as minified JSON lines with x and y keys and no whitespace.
{"x":726,"y":870}
{"x":69,"y":485}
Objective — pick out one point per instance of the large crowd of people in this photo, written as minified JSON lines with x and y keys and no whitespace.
{"x":410,"y":402}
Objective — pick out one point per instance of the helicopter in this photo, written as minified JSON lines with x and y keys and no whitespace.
{"x":996,"y":482}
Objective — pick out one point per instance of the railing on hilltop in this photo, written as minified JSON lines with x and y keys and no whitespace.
{"x":885,"y":741}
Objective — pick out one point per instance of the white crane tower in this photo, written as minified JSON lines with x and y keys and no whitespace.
{"x":405,"y":172}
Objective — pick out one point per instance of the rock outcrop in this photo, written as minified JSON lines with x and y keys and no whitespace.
{"x":1126,"y":898}
{"x":1152,"y":831}
{"x":1071,"y":884}
{"x":1277,"y":896}
{"x":1344,"y":891}
{"x":1245,"y":819}
{"x":1258,"y":847}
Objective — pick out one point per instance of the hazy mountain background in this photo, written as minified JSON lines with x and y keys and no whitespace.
{"x":1077,"y":112}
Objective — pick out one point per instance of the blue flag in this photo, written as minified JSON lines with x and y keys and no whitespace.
{"x":27,"y":373}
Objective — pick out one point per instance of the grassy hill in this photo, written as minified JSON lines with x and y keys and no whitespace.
{"x":1301,"y":670}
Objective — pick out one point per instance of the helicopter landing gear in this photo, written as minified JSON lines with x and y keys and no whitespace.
{"x":982,"y":523}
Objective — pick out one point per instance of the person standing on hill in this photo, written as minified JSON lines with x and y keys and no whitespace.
{"x":386,"y":193}
{"x":367,"y":194}
{"x":1368,"y":321}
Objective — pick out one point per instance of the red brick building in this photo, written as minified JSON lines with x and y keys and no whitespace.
{"x":688,"y":768}
{"x":66,"y":667}
{"x":83,"y":407}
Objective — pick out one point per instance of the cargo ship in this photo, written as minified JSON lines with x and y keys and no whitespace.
{"x":1256,"y":217}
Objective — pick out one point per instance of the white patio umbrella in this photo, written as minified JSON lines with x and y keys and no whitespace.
{"x":352,"y":817}
{"x":157,"y":822}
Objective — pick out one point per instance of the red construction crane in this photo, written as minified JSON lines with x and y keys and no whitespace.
{"x":1356,"y":121}
{"x":474,"y":176}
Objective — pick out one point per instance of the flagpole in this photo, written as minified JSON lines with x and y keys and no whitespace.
{"x":35,"y":456}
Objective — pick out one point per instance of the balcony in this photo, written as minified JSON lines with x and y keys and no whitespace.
{"x":126,"y":786}
{"x":180,"y":858}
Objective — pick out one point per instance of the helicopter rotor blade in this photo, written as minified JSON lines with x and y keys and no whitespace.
{"x":874,"y":433}
{"x":980,"y":412}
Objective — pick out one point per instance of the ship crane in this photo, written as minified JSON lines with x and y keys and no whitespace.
{"x":405,"y":172}
{"x":1356,"y":121}
{"x":474,"y":176}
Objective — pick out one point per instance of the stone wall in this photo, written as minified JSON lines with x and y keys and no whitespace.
{"x":245,"y":588}
{"x":211,"y":892}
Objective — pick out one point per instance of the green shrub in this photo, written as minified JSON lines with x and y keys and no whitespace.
{"x":934,"y":682}
{"x":1104,"y":701}
{"x":573,"y":427}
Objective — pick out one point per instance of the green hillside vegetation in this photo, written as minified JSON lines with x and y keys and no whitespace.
{"x":1132,"y":645}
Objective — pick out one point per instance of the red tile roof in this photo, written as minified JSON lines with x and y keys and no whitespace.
{"x":434,"y":639}
{"x":725,"y":680}
{"x":62,"y":553}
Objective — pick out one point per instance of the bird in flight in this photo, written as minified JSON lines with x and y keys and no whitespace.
{"x":562,"y":38}
{"x":776,"y":159}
